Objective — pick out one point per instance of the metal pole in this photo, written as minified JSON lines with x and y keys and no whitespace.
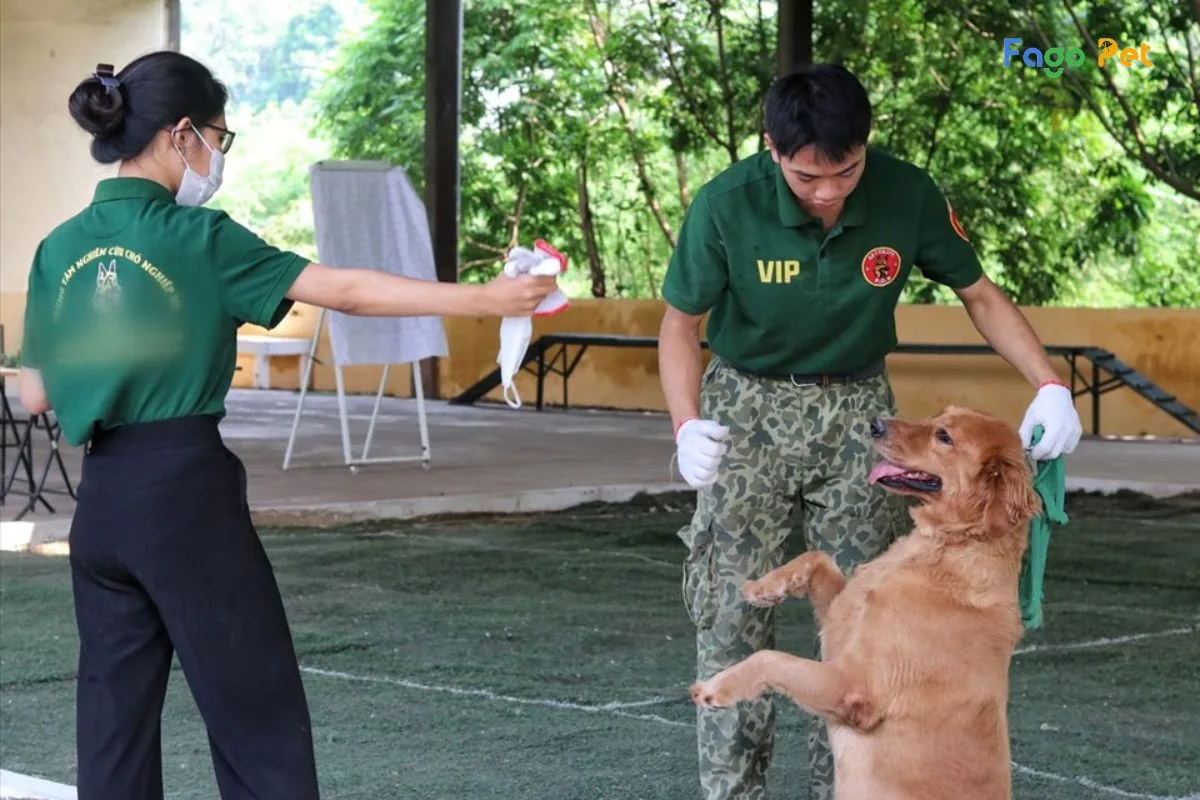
{"x":794,"y":35}
{"x":443,"y":89}
{"x":305,"y":382}
{"x":541,"y":375}
{"x":443,"y":97}
{"x":375,"y":410}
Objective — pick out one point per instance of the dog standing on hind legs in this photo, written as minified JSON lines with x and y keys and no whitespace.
{"x":916,"y":644}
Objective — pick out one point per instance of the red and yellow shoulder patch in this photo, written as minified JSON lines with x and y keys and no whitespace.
{"x":954,"y":223}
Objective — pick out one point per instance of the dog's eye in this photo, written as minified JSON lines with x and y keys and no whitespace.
{"x":943,"y":436}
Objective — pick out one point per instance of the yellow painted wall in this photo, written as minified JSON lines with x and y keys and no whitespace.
{"x":46,"y":171}
{"x":1162,"y":344}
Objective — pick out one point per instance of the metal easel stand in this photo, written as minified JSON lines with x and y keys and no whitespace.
{"x":348,"y":459}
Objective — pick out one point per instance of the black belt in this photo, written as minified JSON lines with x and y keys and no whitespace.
{"x":140,"y":437}
{"x":825,"y":379}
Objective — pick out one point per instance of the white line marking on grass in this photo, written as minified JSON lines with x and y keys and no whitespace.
{"x":13,"y":784}
{"x":1107,"y":642}
{"x":615,"y":709}
{"x":637,"y":556}
{"x":1126,"y":610}
{"x":1162,"y":523}
{"x":653,"y":701}
{"x":487,"y":694}
{"x":1091,"y":784}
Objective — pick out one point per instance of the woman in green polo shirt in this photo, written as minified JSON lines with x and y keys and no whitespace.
{"x":130,"y":337}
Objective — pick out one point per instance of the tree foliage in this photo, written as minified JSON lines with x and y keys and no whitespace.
{"x":271,"y":55}
{"x":265,"y":52}
{"x":1141,"y":124}
{"x":591,"y":122}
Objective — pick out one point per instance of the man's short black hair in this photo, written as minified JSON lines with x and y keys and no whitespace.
{"x":822,"y":105}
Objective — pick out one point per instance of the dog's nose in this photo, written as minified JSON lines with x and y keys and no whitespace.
{"x":878,"y":428}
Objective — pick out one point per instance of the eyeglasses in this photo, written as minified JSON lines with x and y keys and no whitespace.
{"x":227,"y":137}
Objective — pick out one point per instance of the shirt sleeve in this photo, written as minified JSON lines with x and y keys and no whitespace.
{"x":944,"y":253}
{"x":254,"y":276}
{"x":37,"y":313}
{"x":698,"y":271}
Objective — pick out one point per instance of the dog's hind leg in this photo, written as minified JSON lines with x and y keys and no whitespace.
{"x":827,"y":689}
{"x":813,"y":573}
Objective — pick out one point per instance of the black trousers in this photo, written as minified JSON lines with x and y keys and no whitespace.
{"x":165,"y":560}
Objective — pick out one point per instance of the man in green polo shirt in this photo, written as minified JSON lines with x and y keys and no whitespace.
{"x":799,"y":256}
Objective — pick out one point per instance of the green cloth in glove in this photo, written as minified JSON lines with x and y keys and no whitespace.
{"x":1050,"y":482}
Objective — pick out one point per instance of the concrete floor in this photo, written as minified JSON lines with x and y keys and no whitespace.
{"x":496,"y":459}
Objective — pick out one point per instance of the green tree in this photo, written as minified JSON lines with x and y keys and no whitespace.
{"x":265,"y":52}
{"x":266,"y":178}
{"x":569,"y":132}
{"x":1141,"y":124}
{"x":270,"y":54}
{"x":590,"y":123}
{"x":1149,"y":108}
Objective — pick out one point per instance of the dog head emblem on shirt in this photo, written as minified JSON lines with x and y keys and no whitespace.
{"x":108,"y":290}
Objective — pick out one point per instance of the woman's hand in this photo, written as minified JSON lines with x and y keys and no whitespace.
{"x":33,"y":392}
{"x":517,"y":297}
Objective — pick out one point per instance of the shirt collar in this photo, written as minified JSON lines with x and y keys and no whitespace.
{"x":855,"y":210}
{"x":131,"y":189}
{"x":793,"y":215}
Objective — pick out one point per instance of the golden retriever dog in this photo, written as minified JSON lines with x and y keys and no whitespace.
{"x":913,"y":680}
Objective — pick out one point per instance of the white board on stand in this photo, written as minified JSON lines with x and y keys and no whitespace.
{"x":366,"y":215}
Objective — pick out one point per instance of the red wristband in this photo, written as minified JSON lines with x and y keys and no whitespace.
{"x":680,"y":424}
{"x":1055,"y":382}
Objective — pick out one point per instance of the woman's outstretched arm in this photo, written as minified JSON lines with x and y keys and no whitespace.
{"x":373,"y":293}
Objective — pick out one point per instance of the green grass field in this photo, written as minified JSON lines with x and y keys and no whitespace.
{"x":548,"y":658}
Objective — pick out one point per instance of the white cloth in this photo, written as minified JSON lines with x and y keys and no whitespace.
{"x":515,"y":332}
{"x":700,"y":443}
{"x":366,"y":214}
{"x":1054,"y":409}
{"x":542,"y":260}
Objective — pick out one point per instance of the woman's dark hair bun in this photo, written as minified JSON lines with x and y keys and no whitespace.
{"x":99,"y":109}
{"x":125,"y":110}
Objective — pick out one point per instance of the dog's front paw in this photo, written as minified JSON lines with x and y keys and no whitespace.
{"x":770,"y":590}
{"x":728,"y":687}
{"x":711,"y":694}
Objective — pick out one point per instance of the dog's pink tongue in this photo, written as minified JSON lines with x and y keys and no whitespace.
{"x":884,"y":469}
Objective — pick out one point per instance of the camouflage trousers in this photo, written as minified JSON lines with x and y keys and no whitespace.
{"x":788,"y":444}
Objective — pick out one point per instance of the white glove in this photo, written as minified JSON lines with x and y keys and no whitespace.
{"x":1054,"y":409}
{"x":700,"y":445}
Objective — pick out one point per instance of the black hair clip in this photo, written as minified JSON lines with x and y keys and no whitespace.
{"x":104,"y":73}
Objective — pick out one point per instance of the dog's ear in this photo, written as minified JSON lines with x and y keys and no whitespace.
{"x":1010,"y":499}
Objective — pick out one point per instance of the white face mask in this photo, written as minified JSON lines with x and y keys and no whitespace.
{"x":515,"y":333}
{"x":195,"y":190}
